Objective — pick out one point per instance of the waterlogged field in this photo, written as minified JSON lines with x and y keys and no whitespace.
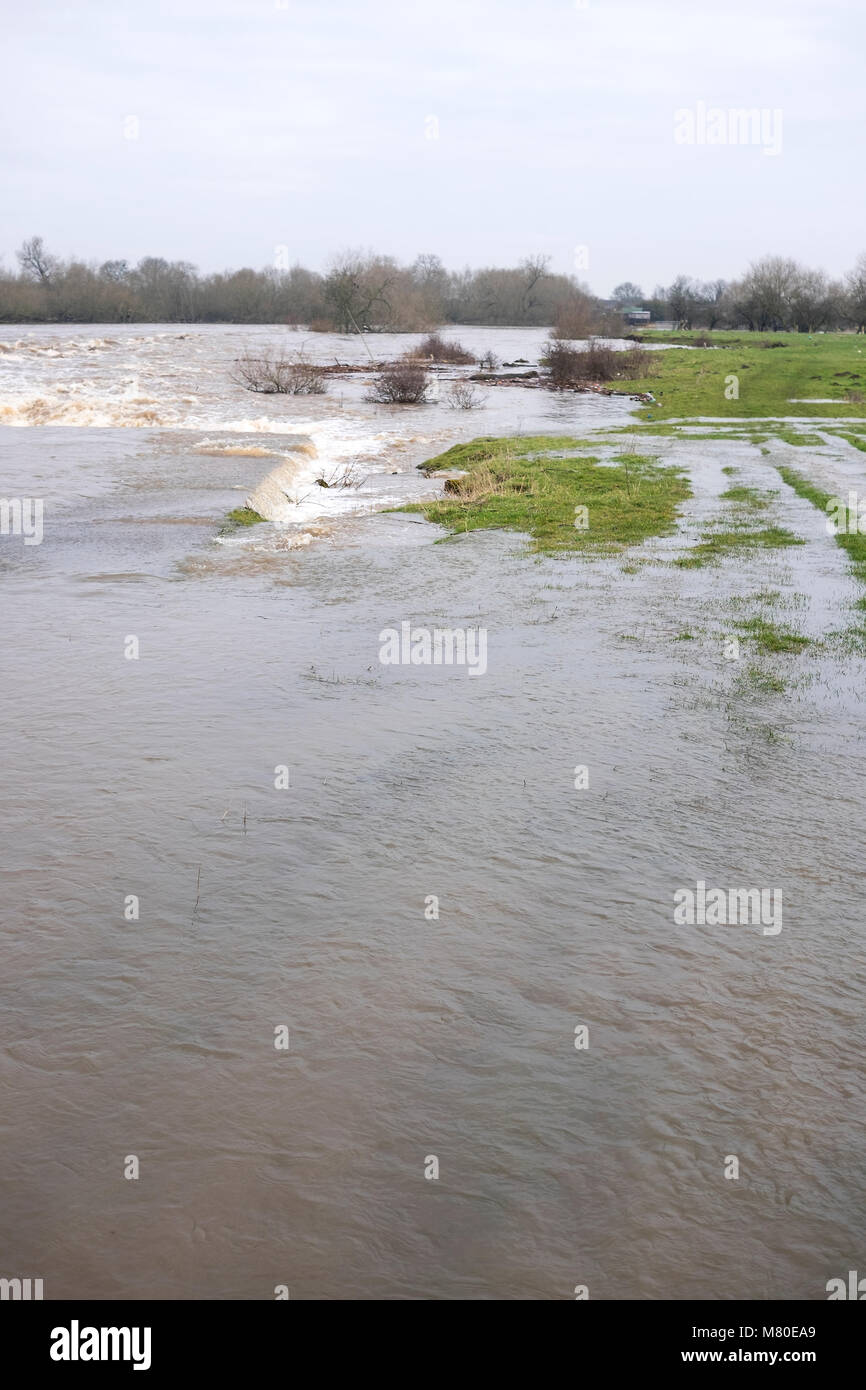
{"x":531,"y":971}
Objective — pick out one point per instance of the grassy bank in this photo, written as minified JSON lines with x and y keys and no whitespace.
{"x":777,"y":374}
{"x":564,"y":501}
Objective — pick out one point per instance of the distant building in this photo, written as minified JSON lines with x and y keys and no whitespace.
{"x":635,"y":316}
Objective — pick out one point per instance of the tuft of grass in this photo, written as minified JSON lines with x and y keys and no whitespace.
{"x":750,"y":496}
{"x":760,"y":596}
{"x":534,"y":484}
{"x":770,"y":637}
{"x":765,"y":681}
{"x":851,"y":641}
{"x":238,"y":517}
{"x":799,"y":439}
{"x":713,"y":545}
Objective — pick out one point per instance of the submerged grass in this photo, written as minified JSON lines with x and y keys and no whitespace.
{"x":798,"y":438}
{"x":238,"y":517}
{"x":536,"y":485}
{"x":714,"y":545}
{"x":771,"y":637}
{"x":851,"y":541}
{"x":767,"y":682}
{"x":856,"y":439}
{"x":750,"y":496}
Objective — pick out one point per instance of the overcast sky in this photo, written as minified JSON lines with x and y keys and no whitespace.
{"x":218,"y":130}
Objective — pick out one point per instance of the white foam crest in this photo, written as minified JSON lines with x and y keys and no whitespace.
{"x":353,"y":469}
{"x":136,"y":412}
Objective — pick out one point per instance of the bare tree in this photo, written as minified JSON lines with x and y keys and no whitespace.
{"x":762,"y":299}
{"x":114,"y":271}
{"x":627,"y":295}
{"x":683,"y":297}
{"x":581,"y":316}
{"x":534,"y":268}
{"x":35,"y":261}
{"x":855,"y":284}
{"x":357,"y":290}
{"x":809,"y":300}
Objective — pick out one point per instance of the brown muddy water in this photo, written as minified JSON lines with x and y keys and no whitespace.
{"x":304,"y":906}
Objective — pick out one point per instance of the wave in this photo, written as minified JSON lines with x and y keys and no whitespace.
{"x":135,"y":412}
{"x":129,"y":408}
{"x":277,"y":494}
{"x":251,"y":451}
{"x":59,"y":347}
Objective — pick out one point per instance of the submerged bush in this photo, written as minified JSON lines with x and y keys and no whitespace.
{"x":572,"y":366}
{"x":462,"y":395}
{"x":279,"y":376}
{"x":403,"y":383}
{"x":438,"y":349}
{"x":489,"y":362}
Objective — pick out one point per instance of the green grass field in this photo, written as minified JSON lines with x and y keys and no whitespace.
{"x":770,"y":381}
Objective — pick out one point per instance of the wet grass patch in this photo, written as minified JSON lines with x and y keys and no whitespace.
{"x":857,"y":440}
{"x":771,"y":637}
{"x":799,"y":440}
{"x":851,"y":541}
{"x":715,"y":545}
{"x":564,"y":502}
{"x":756,"y":678}
{"x":850,"y":641}
{"x":239,"y":517}
{"x":749,"y":496}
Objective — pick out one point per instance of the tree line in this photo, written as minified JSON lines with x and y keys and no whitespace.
{"x":775,"y":294}
{"x":364,"y":292}
{"x":358,"y":292}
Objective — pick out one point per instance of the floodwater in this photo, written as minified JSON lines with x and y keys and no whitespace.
{"x":308,"y":907}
